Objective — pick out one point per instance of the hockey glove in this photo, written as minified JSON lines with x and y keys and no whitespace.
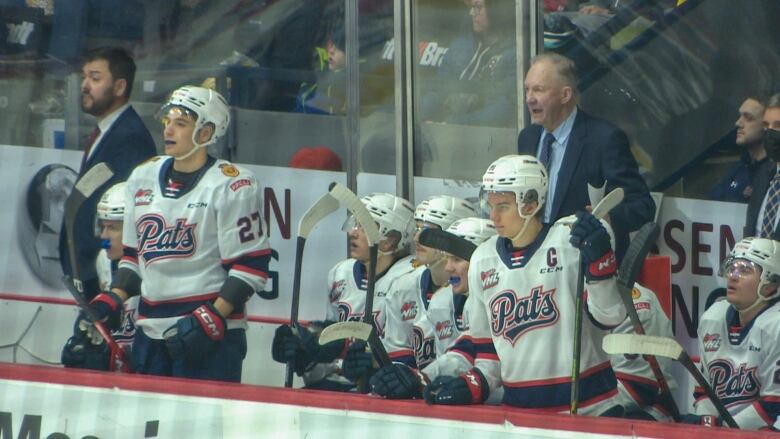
{"x":590,"y":236}
{"x":196,"y":335}
{"x":705,"y":420}
{"x":397,"y":381}
{"x":468,"y":388}
{"x":303,"y":350}
{"x":107,"y":307}
{"x":79,"y":352}
{"x":358,"y":362}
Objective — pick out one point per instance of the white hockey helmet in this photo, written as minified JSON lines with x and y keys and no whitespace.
{"x":443,"y":210}
{"x":473,"y":229}
{"x":764,"y":253}
{"x":111,"y":206}
{"x":393,"y":214}
{"x":522,"y":174}
{"x":204,"y":105}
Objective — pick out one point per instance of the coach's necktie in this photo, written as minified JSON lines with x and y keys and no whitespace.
{"x":89,"y":141}
{"x":546,"y":155}
{"x":772,"y":205}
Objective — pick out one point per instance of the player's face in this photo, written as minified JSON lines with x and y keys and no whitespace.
{"x":742,"y":278}
{"x":504,"y":214}
{"x":112,"y":230}
{"x":458,"y":268}
{"x":750,"y":125}
{"x":99,"y":91}
{"x":358,"y":244}
{"x":178,"y":132}
{"x":425,"y":255}
{"x":479,"y":18}
{"x":546,"y":96}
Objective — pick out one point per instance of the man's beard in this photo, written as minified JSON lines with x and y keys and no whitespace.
{"x":99,"y":104}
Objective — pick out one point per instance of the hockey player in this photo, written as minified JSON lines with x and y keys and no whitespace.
{"x":337,"y":366}
{"x":738,"y":339}
{"x":638,"y":388}
{"x":195,"y":248}
{"x":410,"y":296}
{"x":522,"y":295}
{"x":86,"y":348}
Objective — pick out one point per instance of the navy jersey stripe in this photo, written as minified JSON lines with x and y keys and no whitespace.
{"x":594,"y":387}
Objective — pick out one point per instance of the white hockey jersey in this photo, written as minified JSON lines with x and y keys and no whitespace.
{"x":436,"y":329}
{"x":638,"y":388}
{"x":742,"y":364}
{"x":124,"y":335}
{"x":522,"y":312}
{"x":347,"y":285}
{"x":185,"y":246}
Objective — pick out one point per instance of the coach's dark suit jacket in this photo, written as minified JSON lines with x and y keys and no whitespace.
{"x":596,"y":151}
{"x":760,"y":185}
{"x":126,"y":144}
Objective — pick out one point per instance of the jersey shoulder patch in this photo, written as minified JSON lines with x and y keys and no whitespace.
{"x":229,"y":170}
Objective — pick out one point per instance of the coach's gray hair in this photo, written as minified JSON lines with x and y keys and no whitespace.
{"x":564,"y":67}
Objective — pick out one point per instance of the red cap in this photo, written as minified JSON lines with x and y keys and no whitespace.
{"x":317,"y":157}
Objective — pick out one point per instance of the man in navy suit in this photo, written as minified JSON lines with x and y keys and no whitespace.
{"x":579,"y":149}
{"x":120,"y":140}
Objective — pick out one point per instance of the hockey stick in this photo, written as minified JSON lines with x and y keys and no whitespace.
{"x":627,"y":274}
{"x":319,"y":210}
{"x":668,"y":348}
{"x":367,"y":222}
{"x":609,"y":202}
{"x":358,"y":330}
{"x":95,"y":177}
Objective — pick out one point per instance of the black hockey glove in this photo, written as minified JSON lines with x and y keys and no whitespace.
{"x":705,"y":420}
{"x":468,"y":388}
{"x":79,"y":352}
{"x":397,"y":381}
{"x":196,"y":335}
{"x":303,"y":350}
{"x":107,"y":307}
{"x":590,"y":236}
{"x":358,"y":362}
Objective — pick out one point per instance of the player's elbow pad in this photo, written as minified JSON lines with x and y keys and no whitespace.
{"x":236,"y":291}
{"x":128,"y":281}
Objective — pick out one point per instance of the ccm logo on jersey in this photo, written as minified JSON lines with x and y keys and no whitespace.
{"x":711,"y":342}
{"x":733,"y":384}
{"x":513,"y":316}
{"x":238,"y":184}
{"x":158,"y":240}
{"x":489,"y":278}
{"x":143,"y":197}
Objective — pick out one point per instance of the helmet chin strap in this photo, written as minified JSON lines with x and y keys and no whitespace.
{"x":195,"y":148}
{"x":525,"y":218}
{"x":759,"y":299}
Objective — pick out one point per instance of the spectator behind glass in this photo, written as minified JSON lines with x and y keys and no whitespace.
{"x":737,"y":185}
{"x":328,"y":94}
{"x":483,"y":61}
{"x":762,"y":212}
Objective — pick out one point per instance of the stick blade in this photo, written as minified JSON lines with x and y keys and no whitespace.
{"x":342,"y":330}
{"x":609,"y":202}
{"x":319,"y":210}
{"x":618,"y":344}
{"x":354,"y":205}
{"x":95,"y":177}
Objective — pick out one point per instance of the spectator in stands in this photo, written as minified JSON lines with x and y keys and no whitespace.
{"x":579,"y":149}
{"x":762,"y":212}
{"x":328,"y":94}
{"x":483,"y":64}
{"x":120,"y":140}
{"x":737,"y":184}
